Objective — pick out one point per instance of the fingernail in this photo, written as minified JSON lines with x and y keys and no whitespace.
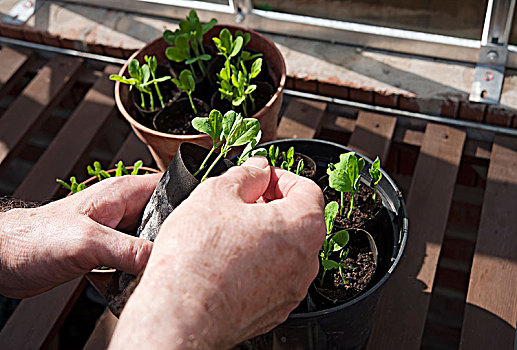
{"x":257,"y":162}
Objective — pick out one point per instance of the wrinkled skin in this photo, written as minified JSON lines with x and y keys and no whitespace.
{"x":229,"y":263}
{"x":41,"y":248}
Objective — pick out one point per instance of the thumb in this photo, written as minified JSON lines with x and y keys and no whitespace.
{"x":248,"y":181}
{"x":123,"y":252}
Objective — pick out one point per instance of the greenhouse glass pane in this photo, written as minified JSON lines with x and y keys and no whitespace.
{"x":462,"y":18}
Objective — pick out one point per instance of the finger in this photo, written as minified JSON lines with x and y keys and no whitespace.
{"x":248,"y":181}
{"x":123,"y":252}
{"x":292,"y":188}
{"x":117,"y":202}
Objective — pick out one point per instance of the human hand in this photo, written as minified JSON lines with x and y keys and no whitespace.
{"x":43,"y":247}
{"x":225,"y":268}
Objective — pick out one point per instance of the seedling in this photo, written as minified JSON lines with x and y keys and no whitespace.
{"x":227,"y":46}
{"x":273,"y":154}
{"x":376,"y":175}
{"x":152,"y":62}
{"x":235,"y":131}
{"x":74,"y":187}
{"x":333,"y":243}
{"x":140,"y":79}
{"x":189,"y":37}
{"x":186,"y":83}
{"x":101,"y":174}
{"x":345,"y":176}
{"x":288,"y":159}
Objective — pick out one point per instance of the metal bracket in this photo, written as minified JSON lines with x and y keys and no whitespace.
{"x":21,"y":12}
{"x":493,"y":54}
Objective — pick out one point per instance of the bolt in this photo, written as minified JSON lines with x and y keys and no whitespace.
{"x":492,"y":55}
{"x":283,"y":340}
{"x":489,"y":76}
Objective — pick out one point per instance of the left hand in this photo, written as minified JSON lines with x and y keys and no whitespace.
{"x":43,"y":247}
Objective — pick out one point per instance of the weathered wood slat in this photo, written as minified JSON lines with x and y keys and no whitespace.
{"x":37,"y":319}
{"x":14,"y":64}
{"x":132,"y":150}
{"x":29,"y":109}
{"x":372,"y":135}
{"x":401,"y":313}
{"x":301,"y":120}
{"x":491,"y":311}
{"x":71,"y":143}
{"x":101,"y":335}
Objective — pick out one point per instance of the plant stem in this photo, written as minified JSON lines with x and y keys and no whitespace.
{"x":142,"y":98}
{"x":204,"y":162}
{"x":192,"y":102}
{"x":202,"y":46}
{"x":342,"y":203}
{"x":323,"y":277}
{"x":351,"y":205}
{"x":244,"y":109}
{"x":213,"y":165}
{"x":159,"y":94}
{"x":151,"y":99}
{"x":199,"y":62}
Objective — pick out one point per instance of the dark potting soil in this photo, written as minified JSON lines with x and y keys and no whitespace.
{"x":176,"y":118}
{"x":365,"y":209}
{"x":361,"y":269}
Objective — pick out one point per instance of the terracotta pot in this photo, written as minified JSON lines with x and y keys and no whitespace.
{"x":163,"y":146}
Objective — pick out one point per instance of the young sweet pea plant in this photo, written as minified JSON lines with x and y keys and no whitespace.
{"x":141,"y":80}
{"x":230,"y":130}
{"x":376,"y":175}
{"x":345,"y":176}
{"x":287,"y":159}
{"x":101,"y":174}
{"x":187,"y":84}
{"x":187,"y":42}
{"x":234,"y":79}
{"x":334,"y":243}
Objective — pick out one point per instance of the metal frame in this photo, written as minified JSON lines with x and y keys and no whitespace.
{"x":497,"y":23}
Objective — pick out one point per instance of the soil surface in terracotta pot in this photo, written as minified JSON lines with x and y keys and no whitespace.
{"x":365,"y":208}
{"x":176,"y":117}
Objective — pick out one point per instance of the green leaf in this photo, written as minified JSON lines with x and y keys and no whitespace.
{"x":290,"y":154}
{"x":169,"y":37}
{"x":256,"y":68}
{"x":187,"y":80}
{"x":136,"y":167}
{"x":203,"y":125}
{"x":238,"y":101}
{"x":175,"y":54}
{"x":216,"y":121}
{"x":124,"y":80}
{"x":119,"y":170}
{"x":339,"y":181}
{"x":209,"y":25}
{"x":146,"y":74}
{"x":329,"y":264}
{"x":331,"y":210}
{"x":340,"y":239}
{"x":134,"y":70}
{"x":250,"y":89}
{"x":229,"y":120}
{"x":375,"y":171}
{"x":236,"y":47}
{"x":64,"y":184}
{"x":248,"y":131}
{"x":205,"y":57}
{"x":226,"y":40}
{"x":259,"y":152}
{"x":192,"y":60}
{"x":248,"y":150}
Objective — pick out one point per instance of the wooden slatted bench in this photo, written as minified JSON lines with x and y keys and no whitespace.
{"x":455,"y":286}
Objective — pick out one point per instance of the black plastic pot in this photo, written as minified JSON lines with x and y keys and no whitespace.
{"x":345,"y":326}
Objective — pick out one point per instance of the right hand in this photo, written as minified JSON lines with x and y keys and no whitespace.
{"x":225,"y":268}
